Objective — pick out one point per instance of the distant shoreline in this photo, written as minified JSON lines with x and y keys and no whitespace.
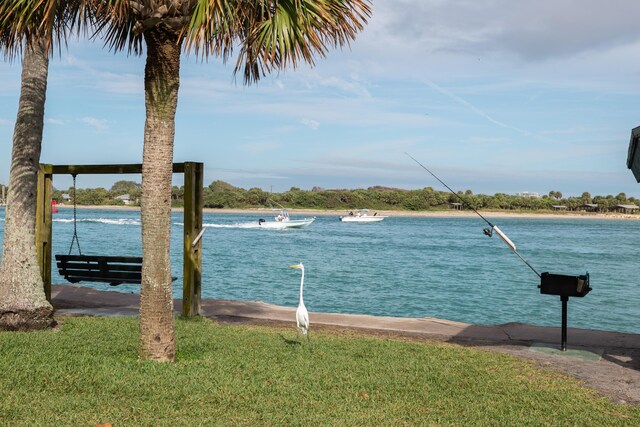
{"x":400,"y":213}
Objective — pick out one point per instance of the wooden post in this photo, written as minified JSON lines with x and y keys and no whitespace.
{"x":193,"y":173}
{"x":192,"y":273}
{"x":43,"y":225}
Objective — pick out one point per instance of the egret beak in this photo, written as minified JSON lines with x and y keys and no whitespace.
{"x":295,"y":266}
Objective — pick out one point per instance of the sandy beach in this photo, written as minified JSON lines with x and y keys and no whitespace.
{"x":436,"y":214}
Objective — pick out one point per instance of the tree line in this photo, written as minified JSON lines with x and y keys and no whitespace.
{"x":221,"y":195}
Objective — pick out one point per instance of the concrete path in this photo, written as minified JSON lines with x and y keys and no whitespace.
{"x":71,"y":299}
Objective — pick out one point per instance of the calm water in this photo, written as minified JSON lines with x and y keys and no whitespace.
{"x":407,"y":267}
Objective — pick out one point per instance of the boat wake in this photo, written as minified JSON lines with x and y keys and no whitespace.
{"x":245,"y":225}
{"x":110,"y":221}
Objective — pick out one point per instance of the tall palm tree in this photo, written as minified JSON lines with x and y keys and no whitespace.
{"x":271,"y":35}
{"x":30,"y":26}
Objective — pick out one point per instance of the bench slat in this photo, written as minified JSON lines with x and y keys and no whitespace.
{"x":114,"y":270}
{"x":69,"y":266}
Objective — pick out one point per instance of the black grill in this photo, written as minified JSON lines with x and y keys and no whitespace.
{"x":565,"y":287}
{"x":559,"y":284}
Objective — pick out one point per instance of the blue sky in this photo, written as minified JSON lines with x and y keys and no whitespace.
{"x":493,"y":96}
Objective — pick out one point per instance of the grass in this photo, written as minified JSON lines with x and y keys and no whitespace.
{"x":88,"y":373}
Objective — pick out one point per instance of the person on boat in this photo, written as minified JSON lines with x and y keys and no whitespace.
{"x":351,"y":213}
{"x":279,"y":217}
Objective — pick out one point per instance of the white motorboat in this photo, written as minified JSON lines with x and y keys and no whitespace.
{"x":282,"y":220}
{"x":362,"y":215}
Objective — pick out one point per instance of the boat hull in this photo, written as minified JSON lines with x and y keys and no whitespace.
{"x":292,"y":223}
{"x":362,"y":218}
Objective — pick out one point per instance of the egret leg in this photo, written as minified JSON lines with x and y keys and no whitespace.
{"x":297,"y":343}
{"x":309,"y":341}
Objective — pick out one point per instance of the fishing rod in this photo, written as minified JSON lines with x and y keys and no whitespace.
{"x":564,"y":286}
{"x":487,"y":231}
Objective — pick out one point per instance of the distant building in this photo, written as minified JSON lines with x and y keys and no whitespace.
{"x":627,"y":208}
{"x":559,"y":208}
{"x":125,"y":199}
{"x":456,"y":206}
{"x":589,"y":207}
{"x":66,"y":197}
{"x":529,"y":194}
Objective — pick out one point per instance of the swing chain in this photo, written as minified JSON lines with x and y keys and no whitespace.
{"x":75,"y":228}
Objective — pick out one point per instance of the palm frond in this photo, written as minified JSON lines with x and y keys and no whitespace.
{"x":116,"y":23}
{"x":273,"y":34}
{"x":287,"y":32}
{"x":214,"y":27}
{"x":48,"y":21}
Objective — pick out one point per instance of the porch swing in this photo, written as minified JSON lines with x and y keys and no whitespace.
{"x":114,"y":270}
{"x":121,"y":270}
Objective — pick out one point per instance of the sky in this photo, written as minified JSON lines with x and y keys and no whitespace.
{"x":494,"y":96}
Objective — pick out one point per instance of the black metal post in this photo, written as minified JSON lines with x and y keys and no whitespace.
{"x":565,"y":300}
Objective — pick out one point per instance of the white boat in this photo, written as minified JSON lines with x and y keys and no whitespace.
{"x":282,"y":220}
{"x":362,"y":215}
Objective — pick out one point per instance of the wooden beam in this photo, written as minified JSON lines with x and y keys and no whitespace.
{"x":192,"y":269}
{"x":134,"y":168}
{"x":43,"y":226}
{"x":194,"y":173}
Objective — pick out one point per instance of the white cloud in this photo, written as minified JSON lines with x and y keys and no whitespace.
{"x":531,"y":30}
{"x":97,"y":124}
{"x":5,"y":122}
{"x":55,"y":122}
{"x":313,"y":124}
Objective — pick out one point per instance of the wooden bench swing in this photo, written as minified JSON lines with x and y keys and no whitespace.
{"x":116,"y":270}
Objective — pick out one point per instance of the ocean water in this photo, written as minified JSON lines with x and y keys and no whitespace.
{"x":402,"y":266}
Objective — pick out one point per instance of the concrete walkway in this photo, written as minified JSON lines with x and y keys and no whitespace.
{"x":69,"y":299}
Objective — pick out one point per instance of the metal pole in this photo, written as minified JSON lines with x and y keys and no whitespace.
{"x":565,"y":300}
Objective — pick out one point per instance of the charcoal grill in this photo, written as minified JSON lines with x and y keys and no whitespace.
{"x":565,"y":287}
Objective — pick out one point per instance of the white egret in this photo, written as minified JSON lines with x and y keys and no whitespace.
{"x":302,"y":315}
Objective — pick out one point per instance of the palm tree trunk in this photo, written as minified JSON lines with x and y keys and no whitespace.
{"x":162,"y":80}
{"x":23,"y":304}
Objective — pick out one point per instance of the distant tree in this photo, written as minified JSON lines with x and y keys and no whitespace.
{"x":586,"y":197}
{"x":125,"y":187}
{"x":92,"y":196}
{"x":415,"y":203}
{"x":257,"y":197}
{"x":557,"y":195}
{"x":221,"y":186}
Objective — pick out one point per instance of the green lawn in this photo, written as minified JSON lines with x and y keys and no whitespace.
{"x":88,"y":373}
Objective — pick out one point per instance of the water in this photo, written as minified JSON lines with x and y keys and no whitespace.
{"x":406,"y":267}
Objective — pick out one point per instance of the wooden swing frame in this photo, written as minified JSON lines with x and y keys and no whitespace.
{"x":193,"y":203}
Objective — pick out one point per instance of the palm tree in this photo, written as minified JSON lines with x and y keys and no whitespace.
{"x":271,"y":34}
{"x":29,"y":26}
